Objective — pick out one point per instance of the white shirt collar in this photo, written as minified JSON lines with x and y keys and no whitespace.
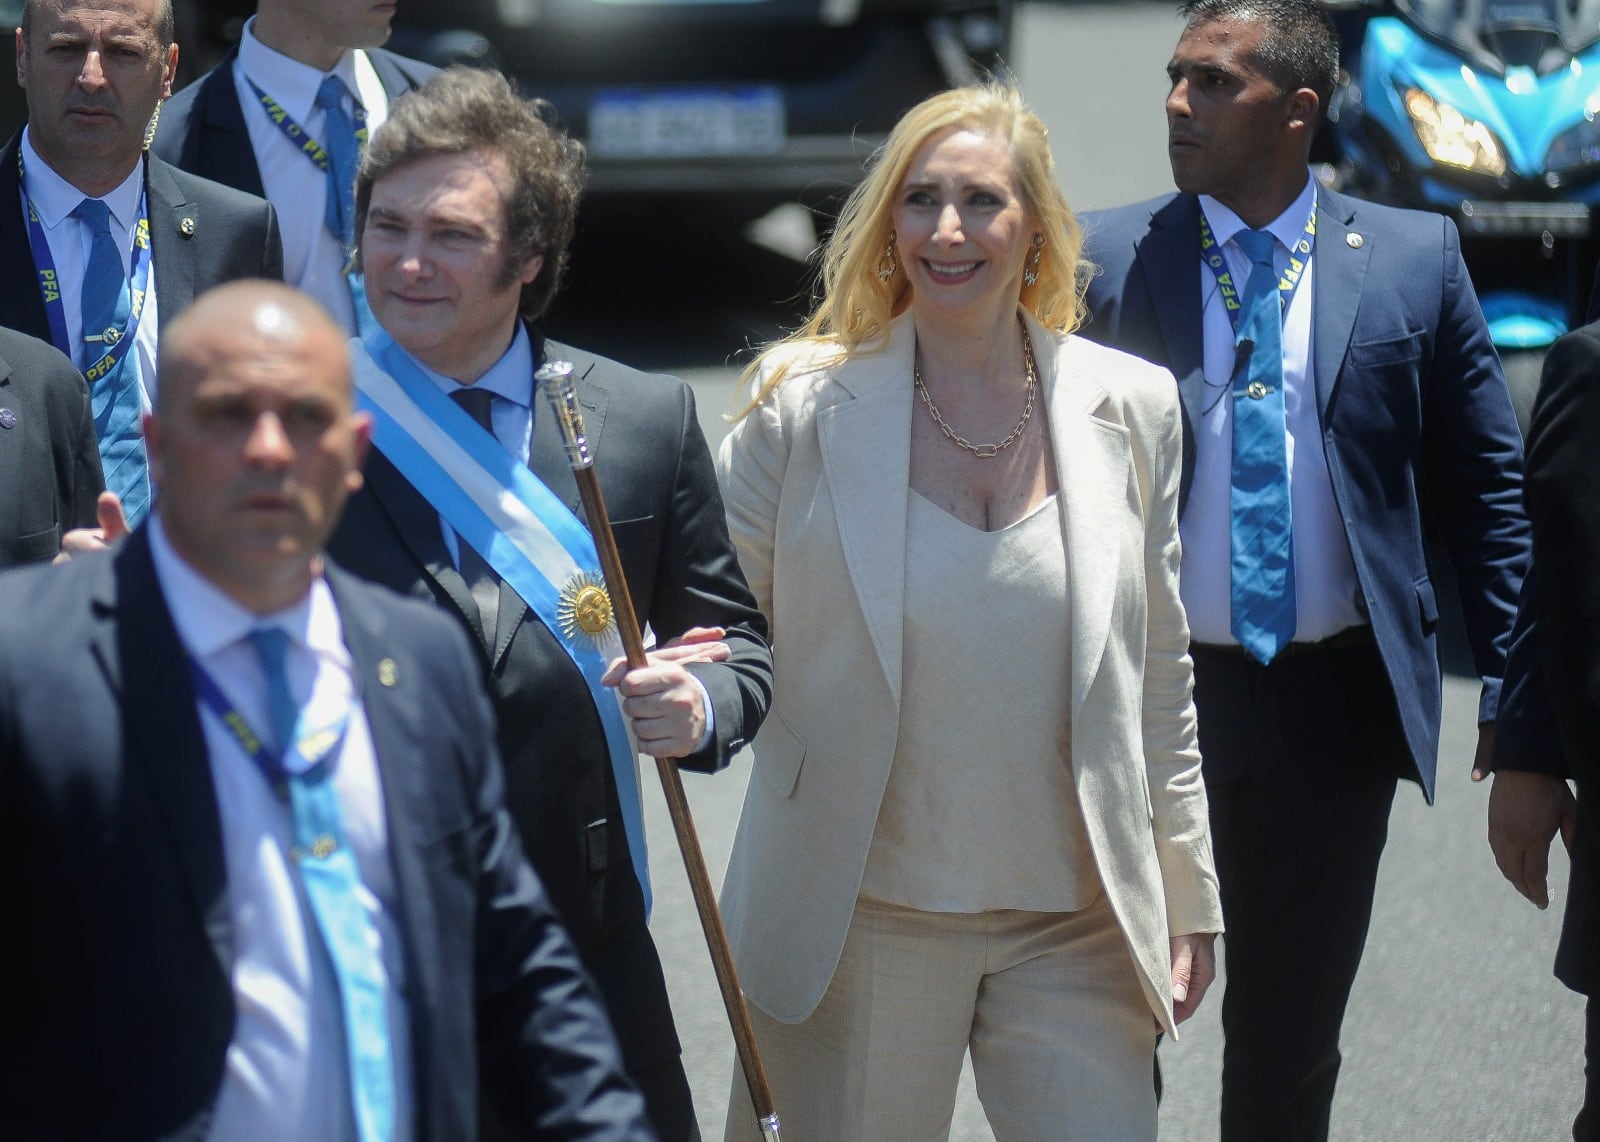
{"x":1287,"y":227}
{"x":55,"y":198}
{"x":292,"y":83}
{"x":510,"y":377}
{"x":208,"y":620}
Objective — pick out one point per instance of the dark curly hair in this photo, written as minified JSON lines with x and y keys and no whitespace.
{"x":464,"y":109}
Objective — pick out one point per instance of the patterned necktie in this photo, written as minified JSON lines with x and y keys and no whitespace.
{"x":327,"y":870}
{"x":114,"y":395}
{"x":343,"y":153}
{"x":480,"y":577}
{"x":1261,"y":548}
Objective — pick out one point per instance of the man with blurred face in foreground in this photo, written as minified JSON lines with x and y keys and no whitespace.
{"x":251,"y":808}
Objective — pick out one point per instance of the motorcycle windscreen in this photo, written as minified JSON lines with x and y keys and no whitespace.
{"x":1538,"y":34}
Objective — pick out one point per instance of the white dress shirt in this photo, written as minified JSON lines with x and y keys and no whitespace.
{"x":286,"y":1074}
{"x":313,"y":259}
{"x":1327,"y":593}
{"x":54,"y":198}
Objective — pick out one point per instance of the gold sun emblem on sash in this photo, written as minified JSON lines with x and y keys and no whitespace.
{"x":585,"y":608}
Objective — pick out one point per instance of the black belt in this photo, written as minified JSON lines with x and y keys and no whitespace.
{"x":1346,"y":639}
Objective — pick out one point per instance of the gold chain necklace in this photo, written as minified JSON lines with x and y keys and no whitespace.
{"x":983,"y":451}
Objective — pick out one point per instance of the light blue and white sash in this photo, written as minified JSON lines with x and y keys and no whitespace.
{"x":519,"y":526}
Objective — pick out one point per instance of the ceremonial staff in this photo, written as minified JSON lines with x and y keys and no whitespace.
{"x":555,"y":378}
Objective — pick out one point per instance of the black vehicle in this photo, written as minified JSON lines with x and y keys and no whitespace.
{"x":741,"y":103}
{"x":761,"y":101}
{"x":744,"y":104}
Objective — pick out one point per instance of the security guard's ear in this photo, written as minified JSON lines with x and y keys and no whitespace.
{"x":1303,"y":108}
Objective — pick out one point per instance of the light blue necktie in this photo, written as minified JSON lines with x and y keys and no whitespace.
{"x":328,"y":872}
{"x":1261,"y":548}
{"x":344,"y":155}
{"x":114,"y":397}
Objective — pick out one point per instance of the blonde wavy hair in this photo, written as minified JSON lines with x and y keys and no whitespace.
{"x":857,"y":305}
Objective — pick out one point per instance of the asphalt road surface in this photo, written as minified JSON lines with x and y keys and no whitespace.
{"x":1457,"y":1031}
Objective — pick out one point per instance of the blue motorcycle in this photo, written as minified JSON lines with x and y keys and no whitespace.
{"x":1485,"y":110}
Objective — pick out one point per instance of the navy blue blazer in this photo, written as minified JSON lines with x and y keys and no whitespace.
{"x":1416,"y":419}
{"x":117,"y":967}
{"x":202,"y":127}
{"x":201,"y":235}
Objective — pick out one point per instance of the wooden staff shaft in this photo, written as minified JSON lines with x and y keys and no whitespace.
{"x":694,"y":861}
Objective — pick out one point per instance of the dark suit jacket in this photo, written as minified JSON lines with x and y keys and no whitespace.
{"x":201,"y":235}
{"x":661,"y":492}
{"x":1551,"y":721}
{"x":49,"y":461}
{"x":202,"y":127}
{"x":118,"y":1007}
{"x":1416,"y":420}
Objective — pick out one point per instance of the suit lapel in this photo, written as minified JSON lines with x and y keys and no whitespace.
{"x":417,"y":522}
{"x":146,"y":668}
{"x":1170,"y":259}
{"x":547,"y":455}
{"x":1339,"y":269}
{"x":390,"y":73}
{"x":1092,"y":460}
{"x":175,"y":227}
{"x":226,"y":138}
{"x":866,"y":458}
{"x":21,"y":303}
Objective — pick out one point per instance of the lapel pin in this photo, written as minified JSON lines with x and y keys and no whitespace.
{"x":8,"y":419}
{"x":1354,"y":241}
{"x":388,"y":672}
{"x":186,"y":227}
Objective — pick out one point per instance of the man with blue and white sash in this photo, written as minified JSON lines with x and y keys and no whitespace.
{"x":465,"y":208}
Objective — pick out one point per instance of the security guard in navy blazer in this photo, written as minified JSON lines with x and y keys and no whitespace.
{"x":174,"y":837}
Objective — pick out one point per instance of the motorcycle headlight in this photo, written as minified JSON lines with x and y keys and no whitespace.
{"x":1575,"y":148}
{"x":1450,"y":138}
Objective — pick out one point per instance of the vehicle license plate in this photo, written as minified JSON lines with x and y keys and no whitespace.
{"x":686,"y":124}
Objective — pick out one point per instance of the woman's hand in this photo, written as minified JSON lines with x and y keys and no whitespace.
{"x":1194,"y":966}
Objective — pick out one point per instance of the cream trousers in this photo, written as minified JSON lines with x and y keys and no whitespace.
{"x":1048,"y":1004}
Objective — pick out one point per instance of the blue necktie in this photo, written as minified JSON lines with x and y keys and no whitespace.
{"x":344,"y":152}
{"x":1262,"y":552}
{"x":344,"y":155}
{"x":114,"y":396}
{"x":328,"y":871}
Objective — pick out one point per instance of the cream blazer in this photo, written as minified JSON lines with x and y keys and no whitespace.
{"x":815,"y":481}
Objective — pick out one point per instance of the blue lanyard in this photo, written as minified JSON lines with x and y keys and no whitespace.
{"x":298,"y":135}
{"x":1211,"y":254}
{"x":119,"y":341}
{"x":315,"y":746}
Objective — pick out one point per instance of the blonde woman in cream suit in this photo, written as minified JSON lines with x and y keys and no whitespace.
{"x":976,"y":820}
